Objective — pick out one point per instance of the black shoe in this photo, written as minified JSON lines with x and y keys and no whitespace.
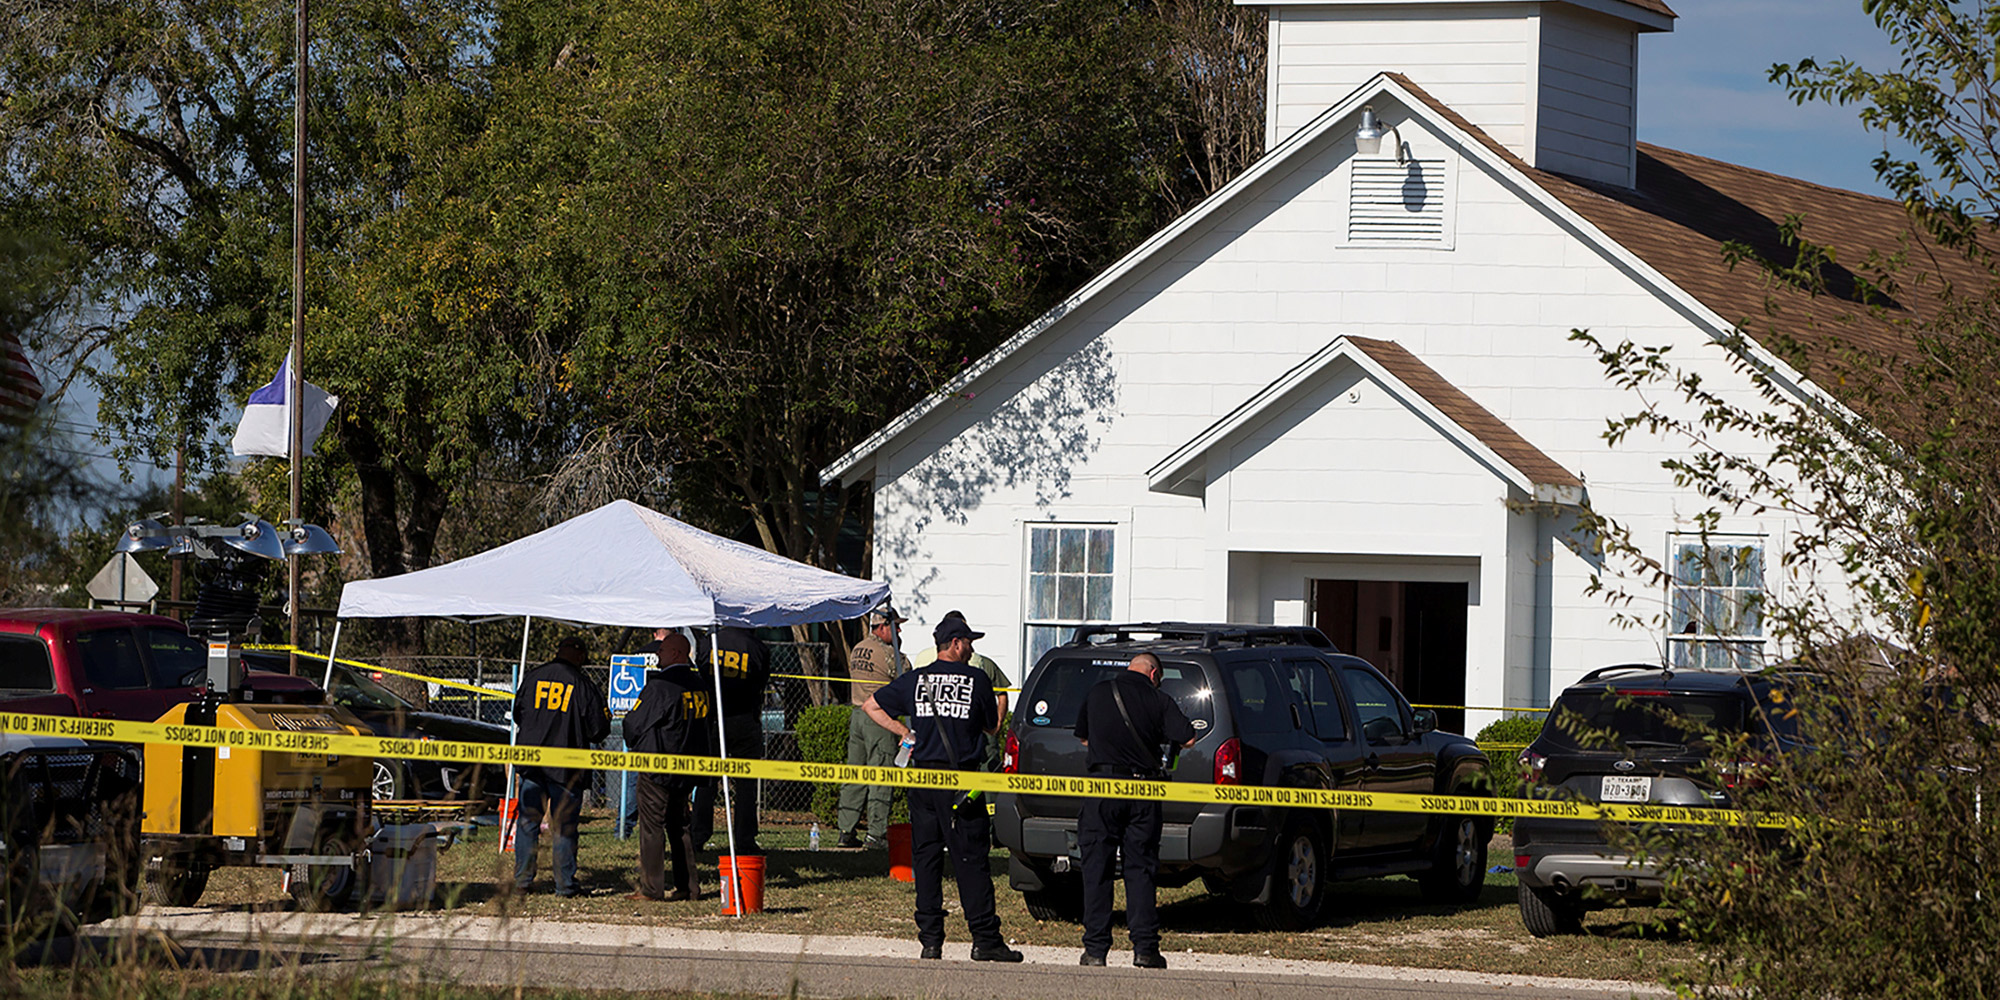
{"x":1149,"y":960}
{"x":873,"y":842}
{"x":933,"y":951}
{"x":1090,"y":959}
{"x":997,"y":953}
{"x":848,"y":839}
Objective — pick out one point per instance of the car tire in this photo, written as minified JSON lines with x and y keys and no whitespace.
{"x":1458,"y":862}
{"x":1298,"y":878}
{"x":175,"y":882}
{"x":388,"y":782}
{"x":324,"y":888}
{"x":1547,"y":914}
{"x":1061,"y":900}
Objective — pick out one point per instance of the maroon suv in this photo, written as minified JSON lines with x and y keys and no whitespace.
{"x":114,"y":665}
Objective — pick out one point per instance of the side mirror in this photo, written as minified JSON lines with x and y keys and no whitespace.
{"x":1423,"y":720}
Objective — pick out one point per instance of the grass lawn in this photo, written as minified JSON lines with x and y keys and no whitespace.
{"x":1379,"y":921}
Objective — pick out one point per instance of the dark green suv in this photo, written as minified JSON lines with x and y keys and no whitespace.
{"x":1271,"y":705}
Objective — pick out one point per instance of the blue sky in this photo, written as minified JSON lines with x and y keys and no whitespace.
{"x":1703,"y":87}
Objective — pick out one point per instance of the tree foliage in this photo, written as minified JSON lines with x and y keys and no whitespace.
{"x":1885,"y":884}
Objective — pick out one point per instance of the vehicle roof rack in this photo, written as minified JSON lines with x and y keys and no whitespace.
{"x":1624,"y":668}
{"x":1207,"y":635}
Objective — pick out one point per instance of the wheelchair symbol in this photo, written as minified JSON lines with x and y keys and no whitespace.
{"x":627,"y":683}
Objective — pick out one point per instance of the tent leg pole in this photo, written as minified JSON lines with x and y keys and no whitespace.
{"x":514,"y":726}
{"x":331,"y":652}
{"x":722,"y":747}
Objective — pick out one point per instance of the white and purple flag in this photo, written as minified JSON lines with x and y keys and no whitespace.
{"x":267,"y":422}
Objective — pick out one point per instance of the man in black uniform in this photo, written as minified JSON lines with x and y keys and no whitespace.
{"x":673,"y":716}
{"x":557,"y":706}
{"x":950,"y":706}
{"x":745,"y":663}
{"x":1125,"y":722}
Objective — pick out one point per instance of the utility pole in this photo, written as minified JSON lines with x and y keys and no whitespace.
{"x":295,"y":391}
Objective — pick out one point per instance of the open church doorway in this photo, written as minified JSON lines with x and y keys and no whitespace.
{"x":1413,"y":632}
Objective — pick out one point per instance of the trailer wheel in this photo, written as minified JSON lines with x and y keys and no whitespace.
{"x":323,"y":888}
{"x":174,"y":881}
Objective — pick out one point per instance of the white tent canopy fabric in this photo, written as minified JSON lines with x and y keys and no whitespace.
{"x":621,"y":564}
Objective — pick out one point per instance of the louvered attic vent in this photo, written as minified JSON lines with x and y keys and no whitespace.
{"x":1390,"y":202}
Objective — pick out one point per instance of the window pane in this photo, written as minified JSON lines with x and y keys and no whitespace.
{"x":24,"y":665}
{"x":1098,"y":598}
{"x":1100,"y":550}
{"x":1070,"y":557}
{"x":176,"y":658}
{"x":1042,"y":550}
{"x":1381,"y":716}
{"x":1069,"y":598}
{"x":1750,"y":567}
{"x":111,"y":659}
{"x":1688,"y":569}
{"x":1042,"y":595}
{"x":1686,"y":605}
{"x":1264,"y":703}
{"x":1041,"y":639}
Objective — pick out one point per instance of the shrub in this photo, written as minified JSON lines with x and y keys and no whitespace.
{"x":1503,"y":776}
{"x":822,"y":733}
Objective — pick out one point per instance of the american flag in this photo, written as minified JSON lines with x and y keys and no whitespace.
{"x":20,"y":390}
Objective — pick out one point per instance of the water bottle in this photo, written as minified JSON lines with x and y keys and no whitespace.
{"x":903,"y":750}
{"x":812,"y":837}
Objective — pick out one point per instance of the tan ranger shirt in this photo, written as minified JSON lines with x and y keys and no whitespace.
{"x":872,"y":664}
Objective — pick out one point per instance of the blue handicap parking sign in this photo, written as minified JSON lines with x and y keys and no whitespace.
{"x":628,"y":678}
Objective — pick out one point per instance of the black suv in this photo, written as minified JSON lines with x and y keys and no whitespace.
{"x":1271,"y":705}
{"x":1634,"y":734}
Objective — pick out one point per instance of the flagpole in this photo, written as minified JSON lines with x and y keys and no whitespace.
{"x":296,"y":380}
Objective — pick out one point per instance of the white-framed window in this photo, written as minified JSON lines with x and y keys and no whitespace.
{"x":1715,"y":603}
{"x":1071,"y":582}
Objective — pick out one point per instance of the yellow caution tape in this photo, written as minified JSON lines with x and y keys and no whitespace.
{"x":899,"y":777}
{"x":373,"y":668}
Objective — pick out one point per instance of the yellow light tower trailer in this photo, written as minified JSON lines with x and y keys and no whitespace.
{"x":208,"y":806}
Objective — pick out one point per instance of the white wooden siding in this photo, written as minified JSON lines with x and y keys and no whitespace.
{"x":1067,"y":429}
{"x":1474,"y":58}
{"x":1587,"y":116}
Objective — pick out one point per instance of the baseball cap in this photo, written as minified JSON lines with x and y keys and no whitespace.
{"x":953,"y":628}
{"x":885,"y":615}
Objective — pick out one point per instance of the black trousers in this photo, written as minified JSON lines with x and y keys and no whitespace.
{"x":663,"y":833}
{"x":935,"y":829}
{"x":746,"y":741}
{"x":1103,"y":828}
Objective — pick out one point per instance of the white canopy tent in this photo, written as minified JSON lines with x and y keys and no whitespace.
{"x":621,"y":564}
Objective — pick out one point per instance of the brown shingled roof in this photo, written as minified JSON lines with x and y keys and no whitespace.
{"x":1656,"y":6}
{"x":1460,"y":408}
{"x":1687,"y":207}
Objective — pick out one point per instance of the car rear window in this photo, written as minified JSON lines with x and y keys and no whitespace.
{"x":111,"y":659}
{"x":1060,"y":689}
{"x":178,"y":659}
{"x":1612,"y":720}
{"x":24,"y":665}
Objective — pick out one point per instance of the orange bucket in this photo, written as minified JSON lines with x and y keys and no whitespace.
{"x":900,"y":867}
{"x":742,"y":880}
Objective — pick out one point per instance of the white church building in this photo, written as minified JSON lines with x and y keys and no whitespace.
{"x":1343,"y":392}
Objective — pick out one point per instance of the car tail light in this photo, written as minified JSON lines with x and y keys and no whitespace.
{"x":1010,"y":758}
{"x":1229,"y":762}
{"x":1741,"y":774}
{"x":1522,"y":861}
{"x":1532,"y":764}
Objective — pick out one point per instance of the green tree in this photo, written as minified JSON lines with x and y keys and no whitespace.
{"x":1884,"y":883}
{"x":795,"y":219}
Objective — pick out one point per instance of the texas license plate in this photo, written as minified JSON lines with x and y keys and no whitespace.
{"x":1626,"y":788}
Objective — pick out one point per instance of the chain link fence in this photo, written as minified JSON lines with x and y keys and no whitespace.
{"x":800,"y":680}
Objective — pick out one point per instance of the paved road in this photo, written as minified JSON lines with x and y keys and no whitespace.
{"x":497,"y":952}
